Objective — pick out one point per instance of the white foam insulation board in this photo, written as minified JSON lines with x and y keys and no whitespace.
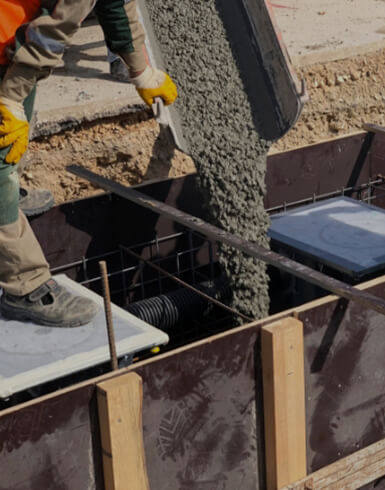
{"x":341,"y":232}
{"x":31,"y":354}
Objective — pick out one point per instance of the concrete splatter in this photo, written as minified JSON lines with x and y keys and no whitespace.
{"x":216,"y":107}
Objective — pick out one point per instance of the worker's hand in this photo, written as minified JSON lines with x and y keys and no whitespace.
{"x":155,"y":83}
{"x":14,"y":129}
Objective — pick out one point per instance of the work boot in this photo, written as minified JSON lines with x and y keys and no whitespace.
{"x":119,"y":71}
{"x":50,"y":305}
{"x":35,"y":201}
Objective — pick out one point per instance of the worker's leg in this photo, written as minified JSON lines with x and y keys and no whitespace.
{"x":22,"y":264}
{"x":29,"y":291}
{"x":23,"y":267}
{"x":33,"y":201}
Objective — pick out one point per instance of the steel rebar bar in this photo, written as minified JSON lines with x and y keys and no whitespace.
{"x":108,"y":313}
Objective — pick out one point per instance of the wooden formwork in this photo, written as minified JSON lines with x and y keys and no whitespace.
{"x":203,"y":409}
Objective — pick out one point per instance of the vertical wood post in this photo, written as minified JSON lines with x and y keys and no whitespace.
{"x":284,"y":402}
{"x":120,"y":419}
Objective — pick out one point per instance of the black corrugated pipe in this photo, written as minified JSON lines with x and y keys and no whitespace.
{"x":167,"y":310}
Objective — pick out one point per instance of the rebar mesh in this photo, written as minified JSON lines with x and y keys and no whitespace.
{"x":186,"y":255}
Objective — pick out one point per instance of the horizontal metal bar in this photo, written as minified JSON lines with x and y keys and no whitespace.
{"x":84,"y":260}
{"x":281,"y":262}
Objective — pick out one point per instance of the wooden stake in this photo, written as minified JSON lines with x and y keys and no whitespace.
{"x":284,"y":402}
{"x":108,"y":313}
{"x":120,"y":418}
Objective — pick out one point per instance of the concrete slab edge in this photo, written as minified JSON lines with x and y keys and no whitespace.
{"x":51,"y":122}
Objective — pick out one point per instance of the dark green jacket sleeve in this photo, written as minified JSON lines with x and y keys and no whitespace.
{"x":123,"y":32}
{"x":113,"y":19}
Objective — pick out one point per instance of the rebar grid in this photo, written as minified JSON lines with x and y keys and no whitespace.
{"x":368,"y":192}
{"x":181,"y":262}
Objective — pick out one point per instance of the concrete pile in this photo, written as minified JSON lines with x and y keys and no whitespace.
{"x":217,"y":116}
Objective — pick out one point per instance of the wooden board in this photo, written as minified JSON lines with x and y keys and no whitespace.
{"x":349,"y":473}
{"x":284,"y":402}
{"x":120,"y":419}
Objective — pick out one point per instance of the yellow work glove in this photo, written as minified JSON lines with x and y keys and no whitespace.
{"x":14,"y":129}
{"x":155,"y":83}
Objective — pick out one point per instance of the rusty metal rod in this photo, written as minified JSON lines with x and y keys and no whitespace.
{"x":108,"y":313}
{"x":335,"y":286}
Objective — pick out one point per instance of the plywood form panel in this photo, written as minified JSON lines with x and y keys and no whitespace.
{"x":201,"y":417}
{"x":314,"y":169}
{"x":321,"y":168}
{"x":52,"y":445}
{"x":89,"y":227}
{"x":345,"y":379}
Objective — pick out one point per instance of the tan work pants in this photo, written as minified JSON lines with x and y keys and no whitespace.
{"x":23,"y":267}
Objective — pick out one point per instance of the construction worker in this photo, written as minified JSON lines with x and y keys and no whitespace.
{"x":33,"y":36}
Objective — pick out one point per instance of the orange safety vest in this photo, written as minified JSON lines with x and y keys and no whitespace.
{"x":13,"y":14}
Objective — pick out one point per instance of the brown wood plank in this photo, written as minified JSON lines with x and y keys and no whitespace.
{"x":120,"y":418}
{"x":284,"y":402}
{"x":349,"y":473}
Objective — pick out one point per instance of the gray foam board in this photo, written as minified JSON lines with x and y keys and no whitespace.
{"x":31,"y":354}
{"x":343,"y":233}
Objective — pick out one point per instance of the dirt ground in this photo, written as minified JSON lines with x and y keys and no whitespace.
{"x":343,"y":95}
{"x":130,"y":150}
